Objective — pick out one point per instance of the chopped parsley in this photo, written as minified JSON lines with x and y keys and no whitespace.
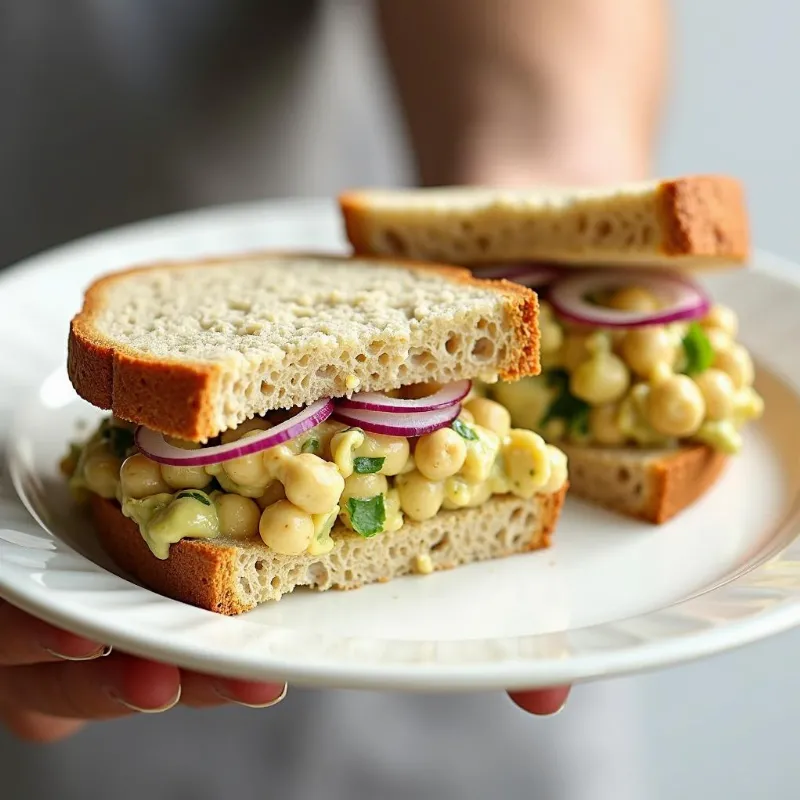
{"x":565,"y":406}
{"x":311,"y":445}
{"x":120,"y":440}
{"x":697,"y":349}
{"x":367,"y":516}
{"x":199,"y":496}
{"x":366,"y":466}
{"x":464,"y":431}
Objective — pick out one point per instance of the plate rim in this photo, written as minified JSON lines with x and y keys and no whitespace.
{"x":509,"y":673}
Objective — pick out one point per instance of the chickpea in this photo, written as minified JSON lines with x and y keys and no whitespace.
{"x":602,"y":379}
{"x":465,"y":416}
{"x":420,"y":498}
{"x":551,"y":335}
{"x":343,"y":448}
{"x":185,"y":477}
{"x":645,"y":348}
{"x":527,"y":400}
{"x":238,"y":516}
{"x":253,"y":425}
{"x":248,"y":470}
{"x":490,"y":415}
{"x":312,"y":484}
{"x":364,"y":487}
{"x":286,"y":529}
{"x":272,"y":494}
{"x":140,"y":477}
{"x":675,"y":407}
{"x":604,"y":424}
{"x":719,"y":340}
{"x":394,"y":513}
{"x":275,"y":460}
{"x":481,"y":456}
{"x":574,"y":351}
{"x":737,"y":363}
{"x":717,"y":390}
{"x":633,"y":298}
{"x":440,"y":454}
{"x":722,"y":318}
{"x":101,"y":471}
{"x":748,"y":404}
{"x":558,"y":470}
{"x":395,"y":451}
{"x":527,"y":462}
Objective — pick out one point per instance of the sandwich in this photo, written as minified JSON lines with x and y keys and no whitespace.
{"x":644,"y":385}
{"x":288,"y":420}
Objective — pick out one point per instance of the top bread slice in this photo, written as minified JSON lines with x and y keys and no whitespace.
{"x":192,"y":349}
{"x":693,"y":222}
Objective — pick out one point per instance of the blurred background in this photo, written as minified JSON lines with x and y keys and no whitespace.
{"x":722,"y":728}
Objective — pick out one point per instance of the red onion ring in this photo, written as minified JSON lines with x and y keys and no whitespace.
{"x":391,"y":424}
{"x":155,"y":447}
{"x":524,"y":274}
{"x":683,"y":298}
{"x":377,"y":401}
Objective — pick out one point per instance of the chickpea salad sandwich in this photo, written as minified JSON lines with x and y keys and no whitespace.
{"x":643,"y":384}
{"x":298,"y":420}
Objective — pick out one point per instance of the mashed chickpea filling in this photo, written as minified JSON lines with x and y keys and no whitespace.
{"x":649,"y":386}
{"x":331,"y":480}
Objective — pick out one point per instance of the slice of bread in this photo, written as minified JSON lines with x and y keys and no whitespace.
{"x":653,"y":485}
{"x":688,"y":222}
{"x":231,"y":577}
{"x":192,"y":349}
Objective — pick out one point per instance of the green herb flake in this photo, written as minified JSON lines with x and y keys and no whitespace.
{"x":697,"y":349}
{"x":565,"y":406}
{"x":312,"y":445}
{"x":464,"y":431}
{"x":367,"y":516}
{"x":201,"y":498}
{"x":367,"y":466}
{"x":120,"y":440}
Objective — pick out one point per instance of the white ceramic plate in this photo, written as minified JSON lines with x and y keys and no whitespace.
{"x":612,"y":596}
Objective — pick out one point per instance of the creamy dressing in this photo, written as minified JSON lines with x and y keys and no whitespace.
{"x":300,"y":496}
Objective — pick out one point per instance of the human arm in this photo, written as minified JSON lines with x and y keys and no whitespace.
{"x":528,"y":91}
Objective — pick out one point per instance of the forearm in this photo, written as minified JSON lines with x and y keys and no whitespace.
{"x":520,"y":91}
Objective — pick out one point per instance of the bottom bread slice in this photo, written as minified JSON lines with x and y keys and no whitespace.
{"x":653,"y":485}
{"x":231,"y":577}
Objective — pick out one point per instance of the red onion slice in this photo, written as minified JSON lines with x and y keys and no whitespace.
{"x":416,"y":424}
{"x":155,"y":446}
{"x":526,"y":274}
{"x":376,"y":401}
{"x":681,"y":297}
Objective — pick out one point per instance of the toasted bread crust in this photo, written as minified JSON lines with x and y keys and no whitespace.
{"x":647,"y":486}
{"x":681,"y":479}
{"x":204,"y":574}
{"x":702,"y":216}
{"x":175,"y":397}
{"x":705,"y":215}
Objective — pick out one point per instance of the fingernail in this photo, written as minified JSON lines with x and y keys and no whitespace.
{"x":559,"y":709}
{"x":117,"y":699}
{"x":101,"y":653}
{"x":227,"y":697}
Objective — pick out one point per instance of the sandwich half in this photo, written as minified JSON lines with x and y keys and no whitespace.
{"x":644,"y":385}
{"x":288,"y":420}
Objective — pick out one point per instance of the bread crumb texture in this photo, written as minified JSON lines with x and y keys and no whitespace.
{"x":195,"y":349}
